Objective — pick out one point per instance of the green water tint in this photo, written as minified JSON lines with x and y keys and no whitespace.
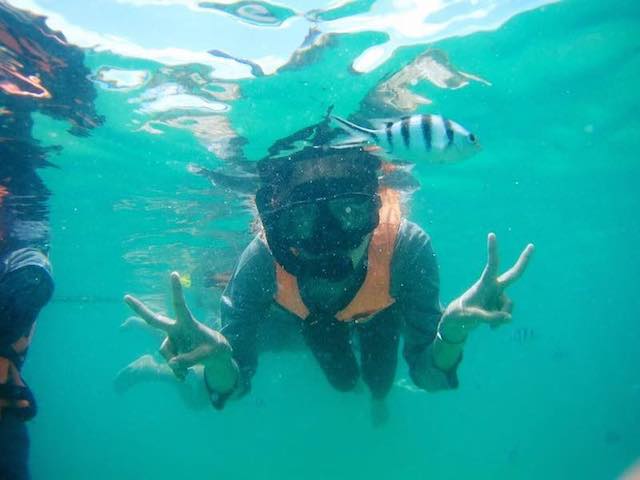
{"x":555,"y":395}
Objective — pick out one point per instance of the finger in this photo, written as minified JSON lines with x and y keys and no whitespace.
{"x":487,"y":316}
{"x":507,"y":308}
{"x":179,"y":305}
{"x":500,"y":323}
{"x":491,"y":269}
{"x":191,"y":358}
{"x":507,"y":304}
{"x":167,"y":349}
{"x":514,"y":273}
{"x":146,"y":314}
{"x":133,"y":321}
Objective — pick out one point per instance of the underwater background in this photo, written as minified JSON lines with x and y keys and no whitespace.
{"x":551,"y":90}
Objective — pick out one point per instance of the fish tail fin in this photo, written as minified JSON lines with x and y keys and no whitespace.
{"x":353,"y":128}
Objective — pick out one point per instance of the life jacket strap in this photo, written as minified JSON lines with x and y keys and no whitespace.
{"x":374,"y":295}
{"x":15,"y":395}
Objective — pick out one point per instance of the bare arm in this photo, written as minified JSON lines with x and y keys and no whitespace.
{"x":189,"y":342}
{"x":485,"y":302}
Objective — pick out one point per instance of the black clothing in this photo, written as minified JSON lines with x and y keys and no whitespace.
{"x":25,"y":287}
{"x":253,"y":322}
{"x":14,"y":448}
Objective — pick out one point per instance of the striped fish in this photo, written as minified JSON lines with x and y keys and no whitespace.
{"x":418,"y":138}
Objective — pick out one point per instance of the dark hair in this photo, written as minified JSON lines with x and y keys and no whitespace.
{"x":327,"y":173}
{"x":319,"y":162}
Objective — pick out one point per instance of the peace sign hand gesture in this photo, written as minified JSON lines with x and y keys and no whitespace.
{"x":485,"y":301}
{"x":188,"y":342}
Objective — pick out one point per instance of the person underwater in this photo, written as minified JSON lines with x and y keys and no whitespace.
{"x":334,"y":260}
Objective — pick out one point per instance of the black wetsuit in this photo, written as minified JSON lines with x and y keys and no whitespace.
{"x":253,"y":322}
{"x":25,"y":287}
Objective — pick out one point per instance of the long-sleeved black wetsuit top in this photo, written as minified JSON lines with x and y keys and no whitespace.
{"x":253,"y":322}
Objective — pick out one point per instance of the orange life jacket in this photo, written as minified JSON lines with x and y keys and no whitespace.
{"x":374,"y":293}
{"x":14,"y":393}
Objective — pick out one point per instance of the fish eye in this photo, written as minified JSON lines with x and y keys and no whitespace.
{"x":472,"y":138}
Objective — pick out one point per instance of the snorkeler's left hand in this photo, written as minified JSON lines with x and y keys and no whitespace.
{"x":188,"y":342}
{"x":485,"y":301}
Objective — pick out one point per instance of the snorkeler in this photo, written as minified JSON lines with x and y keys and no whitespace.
{"x":335,"y":260}
{"x":39,"y":71}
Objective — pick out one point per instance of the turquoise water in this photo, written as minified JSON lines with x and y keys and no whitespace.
{"x":554,"y":395}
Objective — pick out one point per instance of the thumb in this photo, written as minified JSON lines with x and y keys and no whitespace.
{"x":486,"y":316}
{"x":189,"y":359}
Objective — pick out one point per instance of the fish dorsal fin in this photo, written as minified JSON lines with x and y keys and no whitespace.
{"x":351,"y":127}
{"x":381,"y":123}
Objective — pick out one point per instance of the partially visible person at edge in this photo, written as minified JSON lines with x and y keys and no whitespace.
{"x":39,"y":71}
{"x":335,"y":259}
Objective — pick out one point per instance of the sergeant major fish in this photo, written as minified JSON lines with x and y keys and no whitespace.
{"x":418,"y":138}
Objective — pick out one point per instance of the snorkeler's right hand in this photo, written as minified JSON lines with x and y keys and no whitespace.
{"x":188,"y":342}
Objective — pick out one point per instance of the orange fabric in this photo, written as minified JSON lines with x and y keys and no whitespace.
{"x":5,"y":366}
{"x":10,"y":374}
{"x":20,"y":346}
{"x":12,"y":88}
{"x":288,"y":293}
{"x":7,"y":39}
{"x":374,"y":294}
{"x":4,"y":192}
